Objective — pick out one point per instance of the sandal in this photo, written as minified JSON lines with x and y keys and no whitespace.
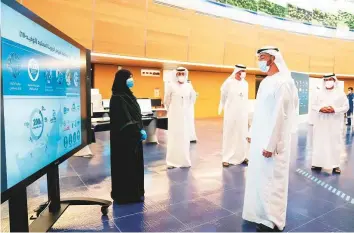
{"x":224,"y":164}
{"x":316,"y":168}
{"x":337,"y":170}
{"x":245,"y":162}
{"x":171,"y":167}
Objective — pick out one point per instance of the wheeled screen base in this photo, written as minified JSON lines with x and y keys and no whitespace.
{"x":50,"y":212}
{"x":46,"y":219}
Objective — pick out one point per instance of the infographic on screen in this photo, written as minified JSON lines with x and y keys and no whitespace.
{"x":41,"y":93}
{"x":302,"y":84}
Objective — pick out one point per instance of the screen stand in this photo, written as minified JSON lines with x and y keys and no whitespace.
{"x":57,"y":206}
{"x":18,"y":211}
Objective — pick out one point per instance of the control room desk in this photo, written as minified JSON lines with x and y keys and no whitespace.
{"x":150,"y":126}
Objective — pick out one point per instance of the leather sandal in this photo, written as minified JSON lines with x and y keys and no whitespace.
{"x":337,"y":170}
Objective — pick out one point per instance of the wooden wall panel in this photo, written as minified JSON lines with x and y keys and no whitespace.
{"x":239,"y":54}
{"x":322,"y":64}
{"x":206,"y":41}
{"x":268,"y":37}
{"x":344,"y":63}
{"x":74,"y":18}
{"x":120,"y":27}
{"x":240,"y":43}
{"x":166,"y":46}
{"x":144,"y":28}
{"x":297,"y":61}
{"x":168,"y":19}
{"x":163,"y":39}
{"x":344,"y":57}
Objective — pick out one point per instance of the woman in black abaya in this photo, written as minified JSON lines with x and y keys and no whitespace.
{"x":127,"y":162}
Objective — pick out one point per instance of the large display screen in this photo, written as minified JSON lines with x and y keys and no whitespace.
{"x":302,"y":84}
{"x":41,"y":94}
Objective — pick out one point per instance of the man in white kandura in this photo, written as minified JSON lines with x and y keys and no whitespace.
{"x":178,"y":101}
{"x":267,"y":177}
{"x":191,"y":115}
{"x":234,"y":101}
{"x":330,"y":105}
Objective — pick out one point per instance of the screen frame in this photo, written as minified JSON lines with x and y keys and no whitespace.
{"x":85,"y":77}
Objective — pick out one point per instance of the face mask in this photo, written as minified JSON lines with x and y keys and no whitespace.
{"x":263,"y":66}
{"x":181,"y":79}
{"x":329,"y":84}
{"x":130,"y":82}
{"x":243,"y":75}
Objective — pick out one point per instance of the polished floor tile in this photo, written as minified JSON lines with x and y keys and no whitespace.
{"x":197,"y":212}
{"x":205,"y":197}
{"x":150,"y":221}
{"x":230,"y":223}
{"x":315,"y":226}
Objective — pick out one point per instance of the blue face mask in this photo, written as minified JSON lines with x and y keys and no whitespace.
{"x":130,"y":82}
{"x":263,"y":66}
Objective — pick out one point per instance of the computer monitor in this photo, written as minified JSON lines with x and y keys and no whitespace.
{"x":145,"y":106}
{"x":105,"y":103}
{"x":156,"y":102}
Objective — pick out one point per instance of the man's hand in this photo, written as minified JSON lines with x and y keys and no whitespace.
{"x":331,"y":109}
{"x":267,"y":154}
{"x":248,"y":140}
{"x":324,"y":110}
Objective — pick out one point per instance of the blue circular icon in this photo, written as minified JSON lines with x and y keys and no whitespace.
{"x":13,"y":64}
{"x":33,"y":69}
{"x":36,"y":124}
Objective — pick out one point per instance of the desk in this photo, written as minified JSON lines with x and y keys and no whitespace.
{"x":150,"y":125}
{"x":100,"y":114}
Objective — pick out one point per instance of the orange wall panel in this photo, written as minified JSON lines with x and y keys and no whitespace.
{"x":347,"y":84}
{"x":208,"y":85}
{"x":143,"y":88}
{"x":251,"y":79}
{"x":74,"y":18}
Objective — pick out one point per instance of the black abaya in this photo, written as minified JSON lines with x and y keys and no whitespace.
{"x":127,"y":162}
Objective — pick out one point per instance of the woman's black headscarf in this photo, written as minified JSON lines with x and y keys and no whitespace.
{"x":120,"y":83}
{"x":129,"y":109}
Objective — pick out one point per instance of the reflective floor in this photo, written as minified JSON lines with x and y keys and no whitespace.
{"x":206,"y":197}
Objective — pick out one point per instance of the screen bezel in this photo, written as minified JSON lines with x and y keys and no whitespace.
{"x":85,"y":118}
